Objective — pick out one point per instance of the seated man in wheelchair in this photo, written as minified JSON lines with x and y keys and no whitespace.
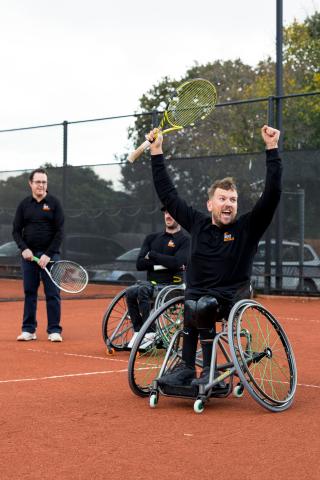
{"x":164,"y":256}
{"x":222,"y":251}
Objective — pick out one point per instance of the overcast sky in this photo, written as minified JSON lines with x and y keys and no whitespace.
{"x":82,"y":59}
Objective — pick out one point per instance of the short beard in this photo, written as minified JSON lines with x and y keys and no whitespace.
{"x":219,"y":224}
{"x":174,"y":226}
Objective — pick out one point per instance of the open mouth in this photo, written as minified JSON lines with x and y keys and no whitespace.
{"x":226,"y":214}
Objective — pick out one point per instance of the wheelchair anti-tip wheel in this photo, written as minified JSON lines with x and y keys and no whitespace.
{"x":262,"y":355}
{"x":153,"y":400}
{"x":238,"y":391}
{"x":117,"y":328}
{"x":198,"y":406}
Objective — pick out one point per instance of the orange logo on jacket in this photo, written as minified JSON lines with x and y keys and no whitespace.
{"x":46,"y":207}
{"x":171,"y":243}
{"x":228,"y":237}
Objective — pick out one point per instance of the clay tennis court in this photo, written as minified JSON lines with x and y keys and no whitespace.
{"x":67,"y":411}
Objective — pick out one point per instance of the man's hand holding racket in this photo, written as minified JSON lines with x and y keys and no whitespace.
{"x":43,"y":261}
{"x":27,"y":254}
{"x":155,"y":138}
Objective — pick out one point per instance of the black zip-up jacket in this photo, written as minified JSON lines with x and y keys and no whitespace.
{"x":39,"y":225}
{"x":167,"y":250}
{"x":221,"y":259}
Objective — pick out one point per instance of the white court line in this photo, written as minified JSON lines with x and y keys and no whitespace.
{"x":77,"y":355}
{"x":53,"y":377}
{"x":94,"y":373}
{"x":297,"y":319}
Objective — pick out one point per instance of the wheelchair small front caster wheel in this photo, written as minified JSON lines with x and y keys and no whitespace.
{"x":198,"y":406}
{"x":238,"y":390}
{"x":153,"y":400}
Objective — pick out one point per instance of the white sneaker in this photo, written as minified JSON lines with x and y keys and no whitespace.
{"x":26,"y":336}
{"x":55,"y":337}
{"x":134,"y":336}
{"x":148,"y":340}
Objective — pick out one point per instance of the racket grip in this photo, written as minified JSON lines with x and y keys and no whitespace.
{"x":139,"y":151}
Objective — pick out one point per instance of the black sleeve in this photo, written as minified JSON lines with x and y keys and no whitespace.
{"x":184,"y":214}
{"x":264,"y":209}
{"x":172,"y":262}
{"x":18,"y":224}
{"x":143,"y":263}
{"x":58,"y":227}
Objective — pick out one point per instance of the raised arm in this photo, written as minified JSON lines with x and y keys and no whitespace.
{"x":167,"y":193}
{"x":266,"y":206}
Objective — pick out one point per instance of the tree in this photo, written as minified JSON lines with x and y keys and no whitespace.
{"x":227,"y":141}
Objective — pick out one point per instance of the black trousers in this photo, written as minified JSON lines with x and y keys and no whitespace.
{"x":32,"y":274}
{"x":139,"y":303}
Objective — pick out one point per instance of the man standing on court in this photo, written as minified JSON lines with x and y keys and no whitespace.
{"x":164,"y":256}
{"x":38,"y":231}
{"x":222,"y":251}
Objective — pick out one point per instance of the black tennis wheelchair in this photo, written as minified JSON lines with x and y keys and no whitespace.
{"x":117,"y":329}
{"x":251,"y":352}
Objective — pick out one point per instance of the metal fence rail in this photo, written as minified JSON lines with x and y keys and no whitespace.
{"x":109,"y":208}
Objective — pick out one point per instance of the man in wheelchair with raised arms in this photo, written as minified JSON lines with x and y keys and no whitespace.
{"x":222,"y":251}
{"x":164,"y":256}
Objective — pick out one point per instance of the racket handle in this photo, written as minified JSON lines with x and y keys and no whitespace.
{"x":139,"y":151}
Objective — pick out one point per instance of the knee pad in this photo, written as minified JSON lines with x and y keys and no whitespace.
{"x":207,"y":312}
{"x":202,"y":313}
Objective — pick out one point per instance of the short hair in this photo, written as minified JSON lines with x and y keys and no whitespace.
{"x":227,"y":183}
{"x":37,"y":170}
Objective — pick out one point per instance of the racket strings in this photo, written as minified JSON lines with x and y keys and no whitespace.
{"x":194,"y":101}
{"x":69,"y":276}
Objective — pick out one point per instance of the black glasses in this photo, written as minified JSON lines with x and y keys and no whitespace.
{"x":39,"y":182}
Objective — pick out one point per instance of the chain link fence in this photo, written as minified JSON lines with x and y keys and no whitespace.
{"x":111,"y":205}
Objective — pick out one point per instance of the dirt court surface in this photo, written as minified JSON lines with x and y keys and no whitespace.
{"x":67,"y":411}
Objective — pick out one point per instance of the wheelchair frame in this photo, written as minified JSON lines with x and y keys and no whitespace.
{"x":256,"y":353}
{"x":117,"y":329}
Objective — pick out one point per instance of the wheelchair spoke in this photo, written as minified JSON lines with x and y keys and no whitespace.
{"x":262,"y":355}
{"x":117,"y":328}
{"x":149,"y":350}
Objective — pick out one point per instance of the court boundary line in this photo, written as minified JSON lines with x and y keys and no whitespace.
{"x":54,"y":377}
{"x":104,"y":372}
{"x":77,"y":355}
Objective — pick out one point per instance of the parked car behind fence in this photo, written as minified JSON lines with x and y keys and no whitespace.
{"x":290,"y":268}
{"x":86,"y":249}
{"x":122,"y":270}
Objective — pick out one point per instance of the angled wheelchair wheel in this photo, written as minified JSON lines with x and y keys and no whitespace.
{"x":117,"y":328}
{"x":149,"y":349}
{"x":167,"y":293}
{"x":262,"y":355}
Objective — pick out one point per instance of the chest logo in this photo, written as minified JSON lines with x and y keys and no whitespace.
{"x":228,"y":237}
{"x":171,"y":244}
{"x":46,"y":207}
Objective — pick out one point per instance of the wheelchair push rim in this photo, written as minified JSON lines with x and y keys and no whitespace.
{"x":117,"y":328}
{"x":262,"y":355}
{"x":145,"y":361}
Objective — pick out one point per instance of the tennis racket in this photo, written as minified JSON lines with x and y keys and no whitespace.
{"x":193,"y":101}
{"x":68,"y":276}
